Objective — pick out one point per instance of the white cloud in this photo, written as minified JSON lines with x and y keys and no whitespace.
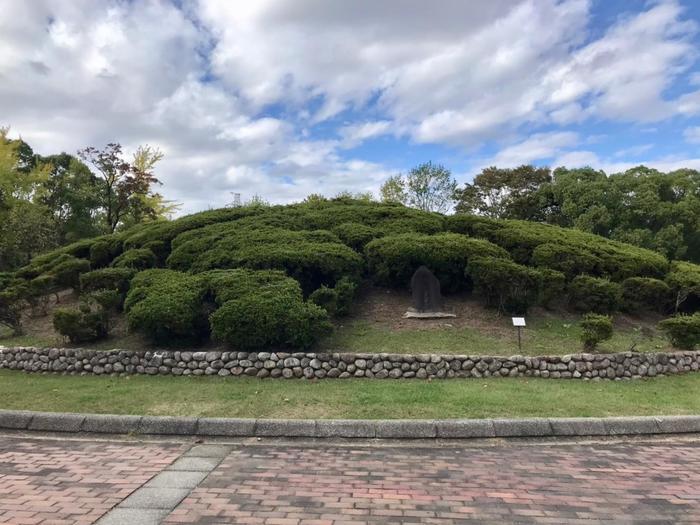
{"x":235,"y":92}
{"x":537,"y":147}
{"x":577,"y":159}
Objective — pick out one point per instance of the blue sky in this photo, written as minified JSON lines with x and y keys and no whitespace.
{"x":282,"y":99}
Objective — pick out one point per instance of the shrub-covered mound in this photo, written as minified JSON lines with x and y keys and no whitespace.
{"x":271,"y":276}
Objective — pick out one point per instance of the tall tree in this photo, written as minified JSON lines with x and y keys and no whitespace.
{"x":428,"y":187}
{"x":122,"y":184}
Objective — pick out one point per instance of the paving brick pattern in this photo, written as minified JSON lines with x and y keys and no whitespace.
{"x":47,"y":482}
{"x":581,"y":484}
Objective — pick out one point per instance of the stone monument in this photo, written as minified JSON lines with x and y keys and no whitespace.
{"x":427,"y":299}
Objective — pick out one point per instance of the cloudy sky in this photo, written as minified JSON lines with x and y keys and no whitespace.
{"x":283,"y":98}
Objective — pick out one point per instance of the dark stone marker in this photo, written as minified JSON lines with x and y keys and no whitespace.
{"x":425,"y":289}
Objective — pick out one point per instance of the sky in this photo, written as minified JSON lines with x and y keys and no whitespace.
{"x":284,"y":98}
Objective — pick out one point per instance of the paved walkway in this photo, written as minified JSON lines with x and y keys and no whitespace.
{"x":66,"y":481}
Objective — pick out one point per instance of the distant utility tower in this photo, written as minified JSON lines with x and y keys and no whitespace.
{"x":236,"y":200}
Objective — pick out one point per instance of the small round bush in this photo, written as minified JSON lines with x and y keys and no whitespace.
{"x":595,"y":328}
{"x":506,"y":285}
{"x":136,"y":258}
{"x":646,"y":293}
{"x":682,"y":330}
{"x":336,"y":301}
{"x":267,"y":319}
{"x":393,"y":259}
{"x":591,"y":294}
{"x":81,"y":325}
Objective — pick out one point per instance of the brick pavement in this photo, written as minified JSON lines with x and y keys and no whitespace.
{"x":61,"y":482}
{"x":601,"y":483}
{"x":57,"y":482}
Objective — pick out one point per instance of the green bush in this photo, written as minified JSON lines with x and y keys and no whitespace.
{"x":611,"y":259}
{"x":259,"y":309}
{"x":136,"y":258}
{"x":594,"y":329}
{"x":684,"y":281}
{"x":12,"y":301}
{"x":355,"y":235}
{"x":682,"y":330}
{"x":104,"y":250}
{"x":508,"y":286}
{"x":107,"y":278}
{"x":645,"y":293}
{"x":393,"y":259}
{"x":313,"y":258}
{"x":336,"y":301}
{"x":167,"y":306}
{"x":81,"y":325}
{"x":553,"y":286}
{"x":591,"y":294}
{"x":569,"y":260}
{"x":67,"y":274}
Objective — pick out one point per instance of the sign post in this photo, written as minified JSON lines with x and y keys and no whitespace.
{"x":519,"y":322}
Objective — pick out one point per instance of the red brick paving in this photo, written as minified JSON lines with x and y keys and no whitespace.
{"x":72,"y":482}
{"x":601,"y":483}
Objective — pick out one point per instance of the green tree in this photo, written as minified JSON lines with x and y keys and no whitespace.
{"x":123,"y":185}
{"x":504,"y":193}
{"x":428,"y":187}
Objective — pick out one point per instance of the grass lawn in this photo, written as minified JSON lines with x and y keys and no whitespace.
{"x":250,"y":397}
{"x":550,"y":336}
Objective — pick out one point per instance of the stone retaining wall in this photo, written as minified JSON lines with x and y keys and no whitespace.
{"x":624,"y":365}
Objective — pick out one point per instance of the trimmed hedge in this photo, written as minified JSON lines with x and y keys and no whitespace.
{"x":614,"y":260}
{"x":506,"y":285}
{"x":392,"y":260}
{"x":591,"y":294}
{"x":594,"y":329}
{"x":108,"y":279}
{"x":645,"y":293}
{"x":104,"y":250}
{"x":313,"y":258}
{"x":136,"y":258}
{"x":167,"y":306}
{"x":683,"y":330}
{"x":355,"y":235}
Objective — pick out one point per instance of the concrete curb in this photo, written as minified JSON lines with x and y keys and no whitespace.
{"x":346,"y":428}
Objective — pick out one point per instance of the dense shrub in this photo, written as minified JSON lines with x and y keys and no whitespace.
{"x":108,"y":279}
{"x":683,"y":330}
{"x":569,"y":260}
{"x":591,"y":294}
{"x":393,"y":259}
{"x":12,"y":301}
{"x":136,"y":258}
{"x":67,"y":273}
{"x":553,"y":286}
{"x":259,"y":311}
{"x":104,"y":250}
{"x":313,"y":258}
{"x":594,"y":329}
{"x":646,"y":293}
{"x":613,"y":259}
{"x":505,"y":284}
{"x":684,"y":280}
{"x":355,"y":235}
{"x":81,"y":325}
{"x":336,"y":301}
{"x":167,"y":306}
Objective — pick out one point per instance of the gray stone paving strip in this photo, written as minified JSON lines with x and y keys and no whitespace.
{"x":150,"y":504}
{"x":344,"y":428}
